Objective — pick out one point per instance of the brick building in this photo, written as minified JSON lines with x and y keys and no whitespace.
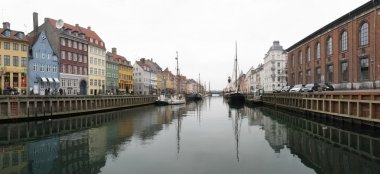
{"x":343,"y":53}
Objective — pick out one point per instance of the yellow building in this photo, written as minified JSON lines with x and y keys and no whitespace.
{"x":125,"y":73}
{"x":160,"y":86}
{"x":13,"y":60}
{"x":167,"y":80}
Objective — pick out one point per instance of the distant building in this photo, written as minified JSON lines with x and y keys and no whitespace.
{"x":167,"y":81}
{"x":13,"y":60}
{"x":43,"y":71}
{"x":274,"y":67}
{"x":342,"y":52}
{"x":145,"y":79}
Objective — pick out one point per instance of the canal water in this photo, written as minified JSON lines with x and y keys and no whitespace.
{"x":197,"y":138}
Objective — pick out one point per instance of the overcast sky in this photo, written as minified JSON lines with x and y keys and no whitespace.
{"x":202,"y":31}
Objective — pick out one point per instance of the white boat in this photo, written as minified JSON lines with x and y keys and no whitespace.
{"x":162,"y":100}
{"x":177,"y":100}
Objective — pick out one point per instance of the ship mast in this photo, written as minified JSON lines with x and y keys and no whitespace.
{"x":235,"y":68}
{"x":178,"y":80}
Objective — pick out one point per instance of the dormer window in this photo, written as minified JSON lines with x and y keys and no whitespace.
{"x":91,"y":40}
{"x":20,"y":35}
{"x":101,"y":43}
{"x":96,"y":42}
{"x":7,"y":33}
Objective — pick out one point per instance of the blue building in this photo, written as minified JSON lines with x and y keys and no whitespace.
{"x":43,"y":67}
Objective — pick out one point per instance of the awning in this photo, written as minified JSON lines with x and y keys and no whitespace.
{"x":56,"y":80}
{"x":50,"y":79}
{"x":43,"y":79}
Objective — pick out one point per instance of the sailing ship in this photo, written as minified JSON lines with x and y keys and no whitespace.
{"x":175,"y":99}
{"x":232,"y":94}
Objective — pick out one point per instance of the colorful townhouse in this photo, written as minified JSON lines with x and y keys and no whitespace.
{"x":167,"y":81}
{"x":125,"y":73}
{"x":145,"y":80}
{"x":70,"y":45}
{"x":13,"y":60}
{"x":112,"y":74}
{"x":97,"y":63}
{"x":43,"y":66}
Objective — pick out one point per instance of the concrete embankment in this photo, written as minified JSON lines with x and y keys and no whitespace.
{"x":355,"y":107}
{"x":21,"y":108}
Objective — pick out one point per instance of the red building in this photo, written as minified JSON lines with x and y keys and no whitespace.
{"x":344,"y":53}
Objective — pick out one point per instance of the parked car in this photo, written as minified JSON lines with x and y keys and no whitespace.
{"x":296,"y":88}
{"x":277,"y":89}
{"x":327,"y":87}
{"x":311,"y":87}
{"x":286,"y":88}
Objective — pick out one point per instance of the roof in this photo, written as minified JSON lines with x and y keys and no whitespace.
{"x":276,"y":46}
{"x":13,"y":35}
{"x":86,"y":31}
{"x":120,"y":59}
{"x":365,"y":7}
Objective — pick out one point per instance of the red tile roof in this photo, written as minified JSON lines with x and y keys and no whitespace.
{"x":88,"y":32}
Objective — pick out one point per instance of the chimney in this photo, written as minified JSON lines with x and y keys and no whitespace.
{"x":77,"y":25}
{"x":6,"y":25}
{"x":89,"y":28}
{"x":142,"y":60}
{"x":114,"y":51}
{"x":35,"y":22}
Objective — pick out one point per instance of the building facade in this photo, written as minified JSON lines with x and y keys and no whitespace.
{"x":97,"y":62}
{"x":112,"y":74}
{"x":43,"y":66}
{"x":343,"y":53}
{"x":274,"y":67}
{"x":70,"y":45}
{"x":145,"y":80}
{"x":125,"y":71}
{"x":13,"y":60}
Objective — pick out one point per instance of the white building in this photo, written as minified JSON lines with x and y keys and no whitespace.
{"x":145,"y":79}
{"x":274,"y":68}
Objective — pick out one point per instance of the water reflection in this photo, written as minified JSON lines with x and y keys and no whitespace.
{"x":199,"y":137}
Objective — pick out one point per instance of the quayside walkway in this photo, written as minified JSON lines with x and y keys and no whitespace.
{"x":32,"y":107}
{"x":352,"y":105}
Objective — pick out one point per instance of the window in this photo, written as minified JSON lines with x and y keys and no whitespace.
{"x":75,"y":83}
{"x":75,"y":44}
{"x":69,"y":43}
{"x":15,"y":46}
{"x":300,"y":77}
{"x":308,"y":55}
{"x":300,"y":58}
{"x":343,"y":41}
{"x":42,"y":67}
{"x":69,"y":82}
{"x":91,"y":70}
{"x":318,"y":75}
{"x":318,"y":51}
{"x":63,"y":83}
{"x":330,"y":73}
{"x":23,"y":62}
{"x":69,"y":68}
{"x":84,"y":71}
{"x":95,"y":71}
{"x":80,"y":46}
{"x":308,"y":76}
{"x":344,"y":71}
{"x":103,"y":63}
{"x":329,"y":50}
{"x":63,"y":55}
{"x":23,"y":48}
{"x":84,"y":59}
{"x":80,"y":58}
{"x":15,"y":60}
{"x":63,"y":41}
{"x":293,"y":60}
{"x":69,"y":56}
{"x":363,"y":34}
{"x":7,"y":45}
{"x":95,"y":83}
{"x":278,"y":64}
{"x":84,"y":47}
{"x":75,"y":69}
{"x":35,"y":67}
{"x":91,"y":60}
{"x":80,"y":70}
{"x":63,"y":68}
{"x":75,"y":57}
{"x":364,"y":69}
